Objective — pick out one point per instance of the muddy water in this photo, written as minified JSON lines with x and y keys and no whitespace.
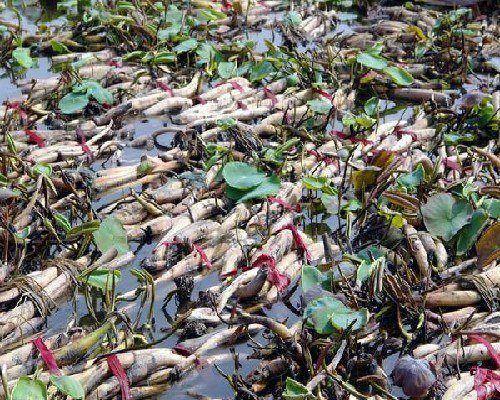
{"x":205,"y":380}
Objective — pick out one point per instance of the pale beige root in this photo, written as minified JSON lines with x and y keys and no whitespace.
{"x":252,"y":288}
{"x":214,"y":250}
{"x":198,"y":211}
{"x":125,"y":175}
{"x":397,"y":145}
{"x":168,"y":104}
{"x":143,"y":102}
{"x":240,"y":280}
{"x":55,"y":291}
{"x":129,"y":213}
{"x":36,"y":280}
{"x":436,"y":247}
{"x":458,"y":316}
{"x":200,"y":113}
{"x":276,"y":247}
{"x":119,"y":261}
{"x":103,"y":55}
{"x":457,"y":388}
{"x":234,"y":255}
{"x":455,"y":353}
{"x":146,"y":392}
{"x":157,"y":226}
{"x":168,"y":194}
{"x":15,"y":317}
{"x":49,"y":137}
{"x":232,"y":112}
{"x":66,"y":349}
{"x":137,"y":363}
{"x":290,"y":193}
{"x":463,"y":298}
{"x":190,"y":89}
{"x":63,"y":150}
{"x":238,"y":215}
{"x":21,"y":334}
{"x":274,"y":119}
{"x":185,"y":266}
{"x":215,"y":93}
{"x":425,"y":349}
{"x":441,"y":255}
{"x":144,"y":365}
{"x":292,"y":267}
{"x":214,"y":339}
{"x":207,"y":315}
{"x":491,"y":276}
{"x":417,"y":249}
{"x":24,"y":359}
{"x":472,"y":395}
{"x":421,"y":95}
{"x":452,"y":298}
{"x":198,"y":230}
{"x":488,"y":325}
{"x":427,"y":242}
{"x":163,"y":376}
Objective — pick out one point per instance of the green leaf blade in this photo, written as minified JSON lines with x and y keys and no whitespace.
{"x":29,"y":389}
{"x":243,"y":176}
{"x":73,"y":103}
{"x":399,"y":76}
{"x":68,"y":386}
{"x":111,"y":234}
{"x":445,"y":215}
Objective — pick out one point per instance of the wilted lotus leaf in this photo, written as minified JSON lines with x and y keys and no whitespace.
{"x":413,"y":375}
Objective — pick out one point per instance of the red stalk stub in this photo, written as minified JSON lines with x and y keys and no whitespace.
{"x":274,"y":276}
{"x":165,"y":88}
{"x":34,"y":137}
{"x":47,"y":356}
{"x":194,"y":248}
{"x":271,"y":96}
{"x":486,"y":381}
{"x":299,"y":242}
{"x":286,"y":206}
{"x":117,"y":370}
{"x":236,"y":86}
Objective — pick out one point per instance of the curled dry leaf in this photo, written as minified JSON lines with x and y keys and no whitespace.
{"x":488,"y":246}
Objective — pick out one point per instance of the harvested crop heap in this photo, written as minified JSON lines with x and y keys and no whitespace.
{"x":321,"y":185}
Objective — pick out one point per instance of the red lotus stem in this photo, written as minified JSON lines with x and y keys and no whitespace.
{"x":83,"y":143}
{"x":236,"y":86}
{"x":200,"y":100}
{"x":165,"y":87}
{"x":271,"y":96}
{"x":226,"y":5}
{"x":115,"y":63}
{"x":324,"y":94}
{"x":299,"y":242}
{"x":322,"y":158}
{"x":284,"y":204}
{"x":117,"y":370}
{"x":453,"y":165}
{"x":241,"y":105}
{"x":274,"y":276}
{"x":47,"y":356}
{"x":203,"y":255}
{"x":495,"y":356}
{"x":34,"y":137}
